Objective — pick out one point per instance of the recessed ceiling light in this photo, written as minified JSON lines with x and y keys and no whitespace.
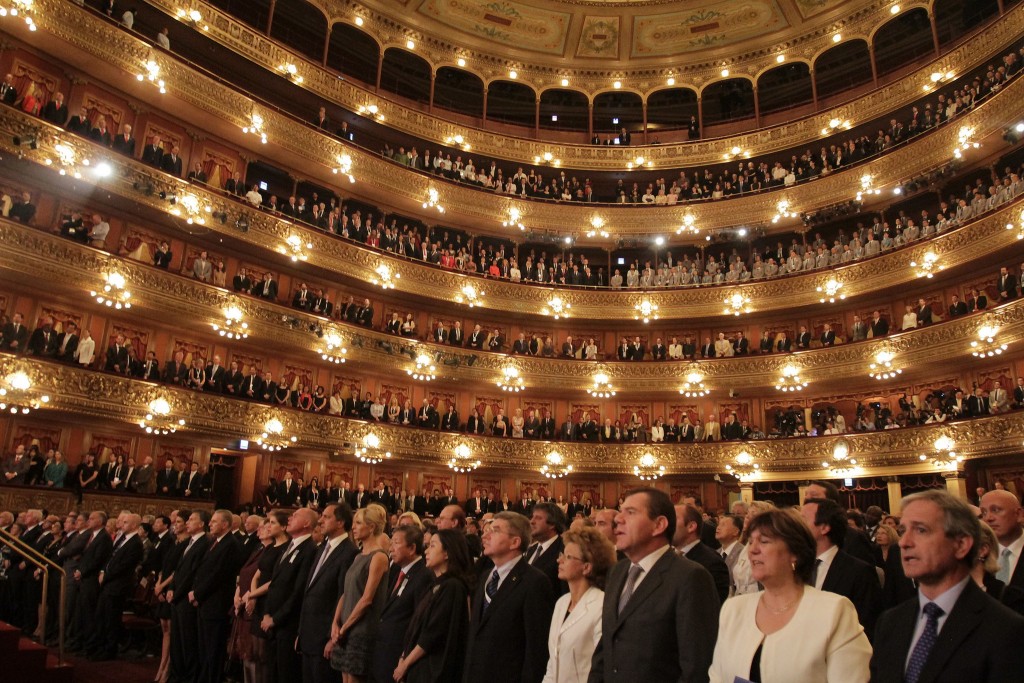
{"x":359,"y":21}
{"x":461,"y":62}
{"x":617,"y":84}
{"x":409,"y":44}
{"x":780,"y":59}
{"x":671,"y":81}
{"x":565,"y":82}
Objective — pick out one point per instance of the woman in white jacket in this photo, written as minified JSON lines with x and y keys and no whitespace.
{"x":86,"y":349}
{"x":576,"y":625}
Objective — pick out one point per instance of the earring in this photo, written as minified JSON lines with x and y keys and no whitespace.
{"x":793,"y":565}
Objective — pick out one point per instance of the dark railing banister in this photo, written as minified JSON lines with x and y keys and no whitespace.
{"x":44,"y":565}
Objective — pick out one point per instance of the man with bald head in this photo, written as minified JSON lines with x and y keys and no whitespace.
{"x":1001,"y":510}
{"x":117,"y":580}
{"x":284,"y":599}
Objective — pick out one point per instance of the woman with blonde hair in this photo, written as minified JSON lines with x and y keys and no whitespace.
{"x":741,"y":578}
{"x":575,"y":630}
{"x":410,"y":517}
{"x":897,"y":587}
{"x":791,"y":631}
{"x":358,"y":610}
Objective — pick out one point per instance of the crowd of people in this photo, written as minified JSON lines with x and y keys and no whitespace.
{"x":367,"y":589}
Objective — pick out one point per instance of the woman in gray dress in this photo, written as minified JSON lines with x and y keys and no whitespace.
{"x":358,"y":610}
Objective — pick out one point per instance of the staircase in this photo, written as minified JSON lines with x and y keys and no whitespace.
{"x":24,"y":661}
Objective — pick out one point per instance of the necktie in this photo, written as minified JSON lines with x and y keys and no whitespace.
{"x":925,"y":643}
{"x":724,"y":555}
{"x":532,"y":553}
{"x":1004,"y":565}
{"x":119,"y":543}
{"x":814,"y":572}
{"x":287,"y":552}
{"x":320,"y":563}
{"x":398,"y":582}
{"x":635,"y":571}
{"x":491,"y":589}
{"x":189,"y":547}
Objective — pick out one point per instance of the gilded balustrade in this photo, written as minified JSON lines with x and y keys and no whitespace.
{"x":258,"y":48}
{"x":111,"y":397}
{"x":481,"y":212}
{"x":70,"y":268}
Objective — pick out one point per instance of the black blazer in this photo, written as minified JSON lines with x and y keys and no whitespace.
{"x":185,"y":571}
{"x":548,"y":564}
{"x":284,"y":598}
{"x":95,"y":555}
{"x":979,"y":642}
{"x":803,"y":341}
{"x":858,"y":581}
{"x":439,"y":626}
{"x":215,"y":576}
{"x":508,"y":643}
{"x":667,"y":630}
{"x":395,"y":617}
{"x":879,"y":328}
{"x":320,"y":597}
{"x":706,"y":557}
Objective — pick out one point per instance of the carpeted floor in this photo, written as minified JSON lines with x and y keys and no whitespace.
{"x":117,"y":671}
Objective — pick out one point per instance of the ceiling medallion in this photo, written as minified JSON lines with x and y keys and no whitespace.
{"x":462,"y":461}
{"x":158,"y":418}
{"x":555,"y":466}
{"x":648,"y":468}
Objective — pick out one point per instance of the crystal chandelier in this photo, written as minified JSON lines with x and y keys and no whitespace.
{"x":928,"y":266}
{"x":867,"y":187}
{"x":291,"y":72}
{"x":986,"y":345}
{"x":151,"y":73}
{"x":790,"y":380}
{"x":597,"y":228}
{"x":344,"y":167}
{"x":371,"y":110}
{"x":883,"y":368}
{"x":114,"y":293}
{"x":515,"y":218}
{"x":462,"y":461}
{"x":255,"y":127}
{"x":385,"y":278}
{"x":370,"y":452}
{"x":458,"y":140}
{"x":511,"y":380}
{"x":783,"y":210}
{"x":556,"y":307}
{"x":425,"y":371}
{"x":648,"y":468}
{"x":555,"y":466}
{"x":841,"y":465}
{"x":694,"y":387}
{"x":835,"y":124}
{"x":830,"y":291}
{"x":689,"y":225}
{"x":433,"y":200}
{"x":334,"y":349}
{"x":744,"y":468}
{"x":273,"y":437}
{"x":158,"y":418}
{"x":945,"y":457}
{"x":470,"y":296}
{"x":17,"y":395}
{"x":13,"y":7}
{"x":964,"y":141}
{"x":602,"y":387}
{"x":295,"y":248}
{"x":736,"y":304}
{"x":233,"y":327}
{"x":646,"y":310}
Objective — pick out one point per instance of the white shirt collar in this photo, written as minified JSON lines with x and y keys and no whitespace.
{"x":685,"y":550}
{"x":648,"y":562}
{"x":505,"y":569}
{"x":728,"y":548}
{"x":405,"y":568}
{"x":826,"y":561}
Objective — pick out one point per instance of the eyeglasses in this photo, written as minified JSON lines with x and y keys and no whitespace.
{"x":492,"y":530}
{"x":563,"y":556}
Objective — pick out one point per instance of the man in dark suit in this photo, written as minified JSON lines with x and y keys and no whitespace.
{"x":957,"y":308}
{"x":124,"y":143}
{"x":184,"y":636}
{"x":450,"y":420}
{"x":784,"y":343}
{"x":837,"y":571}
{"x":167,"y":479}
{"x":511,"y":610}
{"x":55,"y":111}
{"x":924,"y":313}
{"x":707,"y":350}
{"x":382,"y":496}
{"x":94,"y":558}
{"x":1001,"y":510}
{"x":659,"y":351}
{"x":360,"y":498}
{"x":660,"y":617}
{"x":325,"y":585}
{"x":456,"y":337}
{"x":171,"y":163}
{"x":266,"y":288}
{"x":67,"y":343}
{"x":476,"y":506}
{"x":408,"y":581}
{"x":547,"y":524}
{"x":1007,"y":285}
{"x":879,"y":325}
{"x":15,"y":334}
{"x":426,"y":416}
{"x":175,"y":370}
{"x":43,"y":340}
{"x":954,"y":632}
{"x":687,"y":543}
{"x":153,"y":153}
{"x":116,"y":579}
{"x":366,"y":314}
{"x":233,"y":379}
{"x":211,"y":595}
{"x":284,"y":599}
{"x":288,"y":491}
{"x":828,"y":337}
{"x":803,"y":339}
{"x":149,"y":369}
{"x":215,"y":376}
{"x":520,"y":347}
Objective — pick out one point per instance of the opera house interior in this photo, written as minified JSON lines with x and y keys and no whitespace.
{"x":535,"y":249}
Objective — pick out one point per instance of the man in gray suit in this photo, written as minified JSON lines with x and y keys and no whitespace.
{"x":660,"y":610}
{"x":728,"y":534}
{"x":144,"y":480}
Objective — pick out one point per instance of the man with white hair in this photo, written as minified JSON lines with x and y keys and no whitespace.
{"x":116,"y":579}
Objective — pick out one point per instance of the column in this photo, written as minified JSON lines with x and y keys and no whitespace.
{"x":270,"y":15}
{"x":700,"y":117}
{"x":935,"y":28}
{"x":327,"y":45}
{"x":433,"y":80}
{"x":536,"y":117}
{"x":380,"y":68}
{"x":484,"y":117}
{"x":757,"y":109}
{"x":747,"y":492}
{"x":874,"y":66}
{"x":814,"y":90}
{"x":645,"y":120}
{"x":590,"y":119}
{"x":895,"y":496}
{"x":956,"y":484}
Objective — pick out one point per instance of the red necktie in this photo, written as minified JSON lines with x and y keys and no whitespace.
{"x":398,"y":583}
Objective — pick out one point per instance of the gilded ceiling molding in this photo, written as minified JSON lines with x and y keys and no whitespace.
{"x":90,"y":33}
{"x":158,"y":295}
{"x":133,"y":180}
{"x":99,"y":395}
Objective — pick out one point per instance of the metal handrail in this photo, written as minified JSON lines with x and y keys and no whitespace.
{"x":44,"y":564}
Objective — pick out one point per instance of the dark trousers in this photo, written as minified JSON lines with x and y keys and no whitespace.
{"x":317,"y":669}
{"x":184,"y":643}
{"x":70,"y":612}
{"x":282,"y":659}
{"x":107,"y":626}
{"x":213,"y":645}
{"x":85,"y":609}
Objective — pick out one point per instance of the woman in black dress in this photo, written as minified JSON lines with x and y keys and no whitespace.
{"x":433,"y":642}
{"x":163,"y":579}
{"x":277,"y":522}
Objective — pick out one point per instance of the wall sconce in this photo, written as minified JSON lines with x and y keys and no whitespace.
{"x":344,"y":167}
{"x":273,"y":437}
{"x":290,"y":72}
{"x":334,"y":349}
{"x":548,"y":158}
{"x":744,"y":468}
{"x":193,"y":17}
{"x":783,"y":209}
{"x":830,"y":291}
{"x":867,"y":187}
{"x":928,"y":266}
{"x":458,"y":140}
{"x":370,"y":110}
{"x":836,"y":123}
{"x":736,"y":152}
{"x":515,"y":218}
{"x":964,"y":142}
{"x":295,"y":248}
{"x":689,"y":225}
{"x":597,"y":227}
{"x":694,"y":387}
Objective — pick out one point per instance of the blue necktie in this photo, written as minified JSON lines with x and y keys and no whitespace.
{"x":491,"y":589}
{"x":925,"y":643}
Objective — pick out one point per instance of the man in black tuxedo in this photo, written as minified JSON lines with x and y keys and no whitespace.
{"x":476,"y":506}
{"x":175,"y":370}
{"x":252,"y":385}
{"x":55,"y":111}
{"x":828,"y":337}
{"x":511,"y":610}
{"x":924,"y":313}
{"x":184,"y":635}
{"x":707,"y":350}
{"x":547,"y":426}
{"x":149,"y":369}
{"x":659,"y":351}
{"x":450,"y":421}
{"x":687,"y":543}
{"x":1007,"y":285}
{"x":124,"y":143}
{"x":94,"y":558}
{"x":211,"y":595}
{"x":456,"y":336}
{"x":382,"y":496}
{"x":957,"y":308}
{"x":167,"y":479}
{"x":360,"y":498}
{"x":784,"y":344}
{"x":15,"y":334}
{"x":284,"y":600}
{"x":116,"y":579}
{"x":215,"y":376}
{"x":803,"y":339}
{"x":43,"y":339}
{"x":288,"y":491}
{"x":520,"y":347}
{"x":321,"y":305}
{"x":266,"y":288}
{"x":547,"y":524}
{"x":837,"y":571}
{"x":153,"y":153}
{"x":660,"y":617}
{"x":476,"y":338}
{"x":879,"y":325}
{"x":366,"y":314}
{"x":322,"y":590}
{"x":426,"y":416}
{"x":67,"y":343}
{"x":233,"y":379}
{"x":954,"y":632}
{"x":408,"y":581}
{"x":171,"y":163}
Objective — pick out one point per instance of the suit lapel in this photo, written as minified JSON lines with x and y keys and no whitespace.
{"x":510,"y":584}
{"x":965,"y":617}
{"x":577,"y":614}
{"x":648,"y":586}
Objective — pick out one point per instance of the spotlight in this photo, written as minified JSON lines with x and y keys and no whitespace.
{"x":242,"y":224}
{"x":29,"y":141}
